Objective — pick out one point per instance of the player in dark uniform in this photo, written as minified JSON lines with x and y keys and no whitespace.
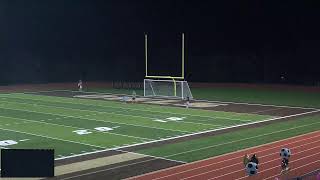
{"x":187,"y":102}
{"x":255,"y":159}
{"x":284,"y":165}
{"x":134,"y":96}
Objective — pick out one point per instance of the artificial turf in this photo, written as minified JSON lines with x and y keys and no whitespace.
{"x":47,"y":120}
{"x":206,"y":147}
{"x":244,"y":94}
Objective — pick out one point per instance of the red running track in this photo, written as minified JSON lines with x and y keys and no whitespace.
{"x":305,"y":158}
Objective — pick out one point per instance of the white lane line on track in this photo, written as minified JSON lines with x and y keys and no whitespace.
{"x":310,"y":163}
{"x":218,"y":177}
{"x":318,"y":153}
{"x":242,"y":169}
{"x":239,"y":157}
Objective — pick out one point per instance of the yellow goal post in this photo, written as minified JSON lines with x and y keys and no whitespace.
{"x":166,"y":86}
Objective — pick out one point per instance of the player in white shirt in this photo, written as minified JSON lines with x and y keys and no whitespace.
{"x":80,"y":85}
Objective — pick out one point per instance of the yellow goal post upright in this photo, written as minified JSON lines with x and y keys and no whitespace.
{"x":166,"y":86}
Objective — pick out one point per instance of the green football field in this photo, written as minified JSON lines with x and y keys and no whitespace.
{"x":74,"y":126}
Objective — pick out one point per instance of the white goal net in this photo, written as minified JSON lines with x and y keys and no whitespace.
{"x":167,"y":88}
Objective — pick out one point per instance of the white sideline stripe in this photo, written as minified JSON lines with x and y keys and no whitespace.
{"x":73,"y":127}
{"x":48,"y":137}
{"x":187,"y":135}
{"x":22,"y":140}
{"x":92,"y":119}
{"x":258,"y":104}
{"x":231,"y":142}
{"x":207,"y":147}
{"x":278,"y":166}
{"x":183,"y":162}
{"x":298,"y":168}
{"x":134,"y":109}
{"x":200,"y":167}
{"x":77,"y":155}
{"x":261,"y":163}
{"x":200,"y":100}
{"x":94,"y":172}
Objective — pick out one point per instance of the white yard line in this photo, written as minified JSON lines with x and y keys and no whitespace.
{"x":187,"y":135}
{"x":199,"y":100}
{"x":92,"y":119}
{"x":111,"y":113}
{"x":145,"y":110}
{"x":171,"y":138}
{"x":86,"y":144}
{"x":75,"y":128}
{"x":48,"y":137}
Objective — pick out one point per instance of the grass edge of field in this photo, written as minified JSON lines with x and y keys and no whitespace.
{"x":204,"y":145}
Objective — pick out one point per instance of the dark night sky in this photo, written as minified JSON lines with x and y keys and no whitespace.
{"x":226,"y":41}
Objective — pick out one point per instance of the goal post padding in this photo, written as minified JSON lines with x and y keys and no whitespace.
{"x":167,"y":88}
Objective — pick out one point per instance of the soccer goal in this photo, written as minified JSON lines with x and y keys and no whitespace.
{"x":167,"y":88}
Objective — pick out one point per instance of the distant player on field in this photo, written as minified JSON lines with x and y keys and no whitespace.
{"x":80,"y":85}
{"x":134,"y":96}
{"x":187,"y":102}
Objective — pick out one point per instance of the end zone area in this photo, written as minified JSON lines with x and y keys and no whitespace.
{"x":88,"y":126}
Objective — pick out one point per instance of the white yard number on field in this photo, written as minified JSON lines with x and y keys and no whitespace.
{"x":103,"y":129}
{"x":175,"y":118}
{"x":82,"y":132}
{"x":7,"y":142}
